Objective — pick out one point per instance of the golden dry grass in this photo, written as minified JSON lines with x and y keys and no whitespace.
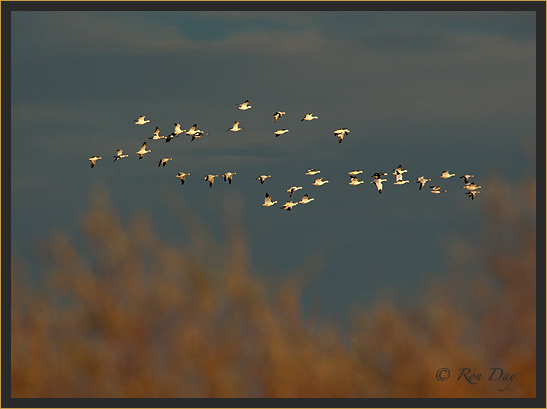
{"x":138,"y":317}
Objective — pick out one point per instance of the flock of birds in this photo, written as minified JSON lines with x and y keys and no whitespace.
{"x":471,"y":188}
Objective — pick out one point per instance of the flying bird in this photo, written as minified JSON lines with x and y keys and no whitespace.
{"x":228,"y":176}
{"x":309,"y":117}
{"x":319,"y":182}
{"x":312,"y":172}
{"x":182,"y":176}
{"x":94,"y":160}
{"x":466,"y":178}
{"x":436,"y":189}
{"x":378,"y":182}
{"x":235,"y":127}
{"x":119,"y":155}
{"x":156,"y":134}
{"x":293,"y":189}
{"x":422,"y":181}
{"x":280,"y":132}
{"x":399,"y":170}
{"x":472,"y":193}
{"x":355,"y":172}
{"x":163,"y":161}
{"x":378,"y":175}
{"x":268,"y":201}
{"x":471,"y":186}
{"x":244,"y":106}
{"x":289,"y":205}
{"x":277,"y":115}
{"x":141,"y":120}
{"x":142,"y":151}
{"x":446,"y":174}
{"x":210,"y":179}
{"x":340,"y":133}
{"x":306,"y":199}
{"x":263,"y":178}
{"x":354,"y":181}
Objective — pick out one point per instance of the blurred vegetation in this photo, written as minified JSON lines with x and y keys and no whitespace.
{"x":133,"y":316}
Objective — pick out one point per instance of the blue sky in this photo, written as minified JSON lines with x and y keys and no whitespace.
{"x":428,"y":90}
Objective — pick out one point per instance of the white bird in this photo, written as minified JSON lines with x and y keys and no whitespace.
{"x":378,"y":183}
{"x":182,"y":176}
{"x":192,"y":131}
{"x":156,"y":134}
{"x":268,"y":201}
{"x":142,"y":151}
{"x":311,"y":172}
{"x":141,"y":120}
{"x":244,"y":106}
{"x":94,"y":160}
{"x":466,"y":178}
{"x":277,"y":115}
{"x":422,"y":181}
{"x":309,"y":117}
{"x":319,"y":182}
{"x":446,"y":174}
{"x":306,"y":199}
{"x":163,"y":161}
{"x":176,"y":132}
{"x":471,"y":186}
{"x":263,"y":178}
{"x":436,"y":189}
{"x":289,"y":205}
{"x":472,"y":193}
{"x":354,"y":181}
{"x":210,"y":179}
{"x":228,"y":176}
{"x":293,"y":189}
{"x":235,"y":127}
{"x":119,"y":155}
{"x":340,"y":133}
{"x":280,"y":132}
{"x":401,"y":181}
{"x":399,"y":170}
{"x":355,"y":172}
{"x":198,"y":134}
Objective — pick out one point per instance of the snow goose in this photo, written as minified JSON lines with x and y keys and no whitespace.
{"x":293,"y":189}
{"x":309,"y":117}
{"x":289,"y":205}
{"x":466,"y":178}
{"x":399,"y":179}
{"x":142,"y":151}
{"x":306,"y":199}
{"x":277,"y":115}
{"x":319,"y":182}
{"x":471,"y":186}
{"x":156,"y":134}
{"x":399,"y":170}
{"x":436,"y":189}
{"x":312,"y":172}
{"x":228,"y":176}
{"x":182,"y":177}
{"x":244,"y":106}
{"x":235,"y":127}
{"x":210,"y":179}
{"x":268,"y":201}
{"x":141,"y":120}
{"x":198,"y":134}
{"x":94,"y":160}
{"x":263,"y":178}
{"x":446,"y":174}
{"x":472,"y":193}
{"x":340,"y":133}
{"x":163,"y":161}
{"x":378,"y":182}
{"x":355,"y":172}
{"x":280,"y":132}
{"x":119,"y":155}
{"x":354,"y":181}
{"x":422,"y":181}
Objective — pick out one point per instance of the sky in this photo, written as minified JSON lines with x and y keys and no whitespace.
{"x":432,"y":91}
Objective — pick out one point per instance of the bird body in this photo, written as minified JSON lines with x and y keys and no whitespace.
{"x":141,"y":120}
{"x":466,"y":178}
{"x":312,"y":172}
{"x":228,"y":176}
{"x":142,"y":151}
{"x":355,"y":172}
{"x":263,"y":178}
{"x":119,"y":155}
{"x":277,"y":115}
{"x":163,"y":161}
{"x":471,"y":186}
{"x":244,"y":106}
{"x":268,"y":201}
{"x":354,"y":181}
{"x":94,"y":160}
{"x":235,"y":127}
{"x":156,"y":134}
{"x":306,"y":199}
{"x":422,"y":181}
{"x":210,"y":179}
{"x":293,"y":189}
{"x":378,"y":182}
{"x":289,"y":205}
{"x":437,"y":189}
{"x":472,"y":193}
{"x":446,"y":174}
{"x":309,"y":117}
{"x":340,"y":133}
{"x":280,"y":132}
{"x":378,"y":175}
{"x":182,"y":176}
{"x":319,"y":182}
